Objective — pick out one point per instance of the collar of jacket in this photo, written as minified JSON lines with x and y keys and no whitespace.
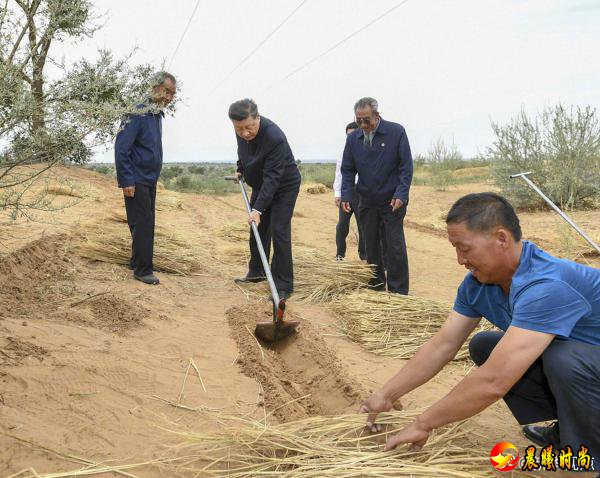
{"x":381,"y":128}
{"x":148,"y":106}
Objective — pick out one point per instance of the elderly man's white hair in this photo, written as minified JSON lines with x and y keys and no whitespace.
{"x":160,"y":77}
{"x":366,"y":101}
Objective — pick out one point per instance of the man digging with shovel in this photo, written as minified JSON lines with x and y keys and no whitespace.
{"x":266,"y":162}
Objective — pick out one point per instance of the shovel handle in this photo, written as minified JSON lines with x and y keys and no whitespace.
{"x":261,"y":251}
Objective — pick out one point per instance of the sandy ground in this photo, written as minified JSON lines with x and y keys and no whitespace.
{"x":91,"y":361}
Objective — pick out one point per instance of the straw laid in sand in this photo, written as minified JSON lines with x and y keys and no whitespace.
{"x":392,"y":325}
{"x":168,"y":201}
{"x":319,"y":278}
{"x":331,"y":446}
{"x":316,"y":189}
{"x":234,"y":231}
{"x":64,"y":190}
{"x":111,"y":242}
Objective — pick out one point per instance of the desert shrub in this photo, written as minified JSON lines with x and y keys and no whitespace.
{"x":561,"y":147}
{"x":322,"y":173}
{"x":171,"y":172}
{"x":197,"y":169}
{"x":443,"y":160}
{"x":103,"y":169}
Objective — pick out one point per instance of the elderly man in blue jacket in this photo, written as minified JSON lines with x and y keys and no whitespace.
{"x":138,"y":160}
{"x":380,"y":153}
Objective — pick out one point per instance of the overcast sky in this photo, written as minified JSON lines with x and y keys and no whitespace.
{"x":442,"y":68}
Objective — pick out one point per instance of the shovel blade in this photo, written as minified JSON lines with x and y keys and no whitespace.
{"x":265,"y":331}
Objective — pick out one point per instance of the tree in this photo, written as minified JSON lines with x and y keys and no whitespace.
{"x":47,"y":117}
{"x":561,"y":147}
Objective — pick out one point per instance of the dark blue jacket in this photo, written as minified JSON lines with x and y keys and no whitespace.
{"x":384,"y":169}
{"x":138,"y":149}
{"x":267,"y":163}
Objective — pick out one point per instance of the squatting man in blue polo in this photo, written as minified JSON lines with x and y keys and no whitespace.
{"x":545,"y":361}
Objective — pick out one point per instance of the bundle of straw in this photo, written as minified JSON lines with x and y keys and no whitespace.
{"x":232,"y":254}
{"x":64,"y":190}
{"x":331,"y":446}
{"x":167,"y":201}
{"x":392,"y":325}
{"x":320,"y":278}
{"x":316,"y":189}
{"x":111,"y":243}
{"x":234,"y":231}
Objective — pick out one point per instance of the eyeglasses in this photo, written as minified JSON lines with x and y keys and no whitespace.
{"x":363,"y":120}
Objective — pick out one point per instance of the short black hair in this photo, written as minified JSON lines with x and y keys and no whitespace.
{"x":241,"y":109}
{"x":353,"y":125}
{"x":484,"y":211}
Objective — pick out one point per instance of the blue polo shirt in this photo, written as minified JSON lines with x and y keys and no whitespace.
{"x":384,"y":167}
{"x":547,"y":294}
{"x":138,"y":148}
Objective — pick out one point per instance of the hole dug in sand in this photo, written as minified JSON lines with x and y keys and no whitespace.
{"x":300,"y":376}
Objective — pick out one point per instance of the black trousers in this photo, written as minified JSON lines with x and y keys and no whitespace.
{"x":563,"y":384}
{"x":343,"y":227}
{"x":276,"y":226}
{"x":372,"y":218}
{"x":140,"y":218}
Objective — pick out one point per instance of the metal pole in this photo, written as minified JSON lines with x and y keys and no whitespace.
{"x":556,"y":208}
{"x":261,"y":251}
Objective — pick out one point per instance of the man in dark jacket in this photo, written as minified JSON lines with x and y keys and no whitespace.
{"x":266,"y":163}
{"x":379,"y":152}
{"x":138,"y":160}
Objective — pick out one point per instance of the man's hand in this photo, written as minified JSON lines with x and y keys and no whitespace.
{"x":238,"y":176}
{"x":396,"y":204}
{"x":373,"y":405}
{"x":338,"y":201}
{"x":415,"y":434}
{"x":346,"y":206}
{"x":129,"y":191}
{"x":254,"y":217}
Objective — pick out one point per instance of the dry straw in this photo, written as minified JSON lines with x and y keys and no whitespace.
{"x":392,"y":325}
{"x":111,"y":242}
{"x":331,"y":446}
{"x":64,"y":190}
{"x":316,"y":189}
{"x":234,"y":232}
{"x":168,"y":201}
{"x":320,"y":278}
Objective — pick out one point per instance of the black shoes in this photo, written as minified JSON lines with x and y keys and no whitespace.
{"x":150,"y":279}
{"x":543,"y":436}
{"x":249,"y":279}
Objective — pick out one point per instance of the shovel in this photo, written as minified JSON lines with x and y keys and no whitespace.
{"x":278,"y":328}
{"x":556,"y":208}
